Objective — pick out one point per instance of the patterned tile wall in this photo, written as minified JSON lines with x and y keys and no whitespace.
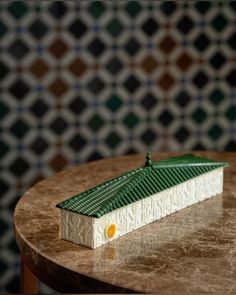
{"x":81,"y":80}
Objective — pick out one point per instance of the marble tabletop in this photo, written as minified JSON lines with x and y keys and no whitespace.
{"x":191,"y":251}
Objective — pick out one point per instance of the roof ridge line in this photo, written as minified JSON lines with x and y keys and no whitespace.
{"x":185,"y":165}
{"x":187,"y":160}
{"x":102,"y":185}
{"x":136,"y":178}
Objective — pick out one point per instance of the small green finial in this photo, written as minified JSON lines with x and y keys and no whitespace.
{"x":148,"y":160}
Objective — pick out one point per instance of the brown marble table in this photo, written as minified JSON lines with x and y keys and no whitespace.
{"x":191,"y":251}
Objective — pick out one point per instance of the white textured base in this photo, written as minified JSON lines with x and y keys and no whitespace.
{"x":90,"y":232}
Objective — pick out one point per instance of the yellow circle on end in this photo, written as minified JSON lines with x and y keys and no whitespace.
{"x":110,"y":231}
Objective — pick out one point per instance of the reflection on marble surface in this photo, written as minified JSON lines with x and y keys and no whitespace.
{"x":158,"y":236}
{"x":192,"y":251}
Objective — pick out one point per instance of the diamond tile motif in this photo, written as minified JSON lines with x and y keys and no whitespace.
{"x":182,"y":134}
{"x":185,"y":24}
{"x":215,"y":132}
{"x":38,"y":29}
{"x":232,"y":40}
{"x":113,"y":140}
{"x":77,"y":105}
{"x":148,"y":136}
{"x":3,"y":29}
{"x":114,"y":27}
{"x":166,"y":118}
{"x":58,"y":9}
{"x":130,"y":120}
{"x":17,"y":9}
{"x":167,"y":44}
{"x":182,"y":99}
{"x":39,"y":145}
{"x":201,"y":42}
{"x":59,"y":125}
{"x":150,"y":26}
{"x":217,"y":60}
{"x":4,"y":110}
{"x":114,"y":65}
{"x":77,"y":143}
{"x":96,"y":47}
{"x":83,"y":80}
{"x":19,"y":89}
{"x":58,"y":87}
{"x":216,"y":96}
{"x":168,"y":7}
{"x":113,"y":103}
{"x":149,"y":64}
{"x":19,"y":128}
{"x":77,"y":28}
{"x":39,"y":108}
{"x":96,"y":85}
{"x":96,"y":9}
{"x":219,"y":22}
{"x":58,"y":162}
{"x":95,"y":122}
{"x":4,"y":70}
{"x":131,"y":84}
{"x":39,"y":68}
{"x":3,"y":225}
{"x":200,"y":79}
{"x":231,"y":78}
{"x":231,"y":113}
{"x":149,"y":101}
{"x":203,"y":6}
{"x":58,"y":48}
{"x":77,"y":67}
{"x":19,"y":167}
{"x":166,"y":81}
{"x":184,"y":61}
{"x":4,"y":187}
{"x":133,"y":8}
{"x":18,"y":49}
{"x":4,"y":149}
{"x":132,"y":46}
{"x":199,"y":115}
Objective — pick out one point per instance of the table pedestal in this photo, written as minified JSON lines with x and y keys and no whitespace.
{"x":28,"y":281}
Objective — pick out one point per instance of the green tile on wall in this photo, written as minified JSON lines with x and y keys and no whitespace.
{"x":97,"y":9}
{"x":18,"y":9}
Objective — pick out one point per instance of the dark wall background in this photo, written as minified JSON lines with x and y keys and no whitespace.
{"x":82,"y":80}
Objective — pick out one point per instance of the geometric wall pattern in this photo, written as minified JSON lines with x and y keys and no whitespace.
{"x":82,"y":80}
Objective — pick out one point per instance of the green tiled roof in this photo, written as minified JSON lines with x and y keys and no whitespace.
{"x":138,"y":184}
